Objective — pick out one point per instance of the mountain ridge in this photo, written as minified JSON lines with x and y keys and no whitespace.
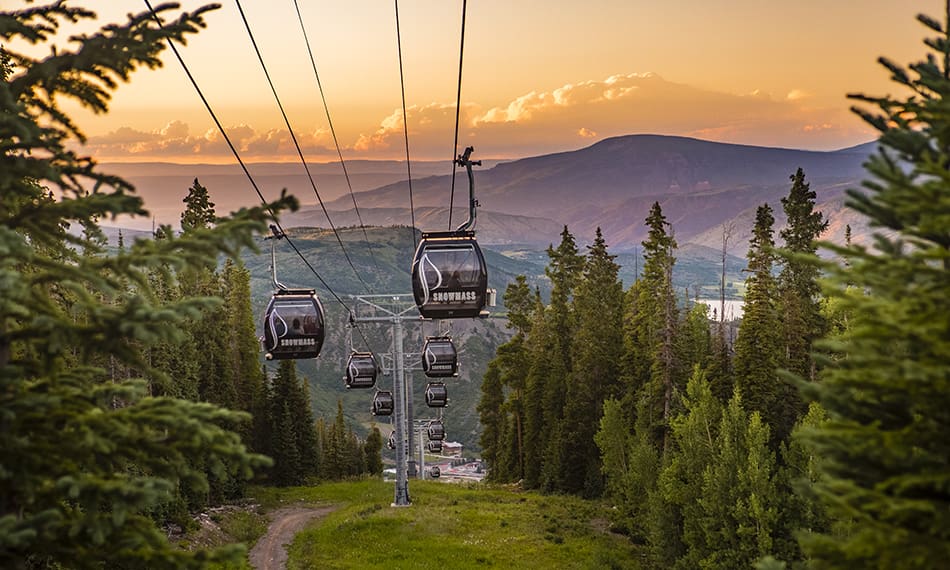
{"x":701,"y":185}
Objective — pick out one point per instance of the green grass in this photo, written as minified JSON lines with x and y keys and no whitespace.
{"x":451,"y":526}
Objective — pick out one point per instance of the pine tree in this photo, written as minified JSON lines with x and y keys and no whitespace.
{"x":245,"y":371}
{"x":538,"y":346}
{"x":738,"y":495}
{"x":293,"y":439}
{"x":654,"y":371}
{"x":372,"y":449}
{"x":798,"y":475}
{"x":564,"y":270}
{"x":885,"y":449}
{"x":681,"y":481}
{"x":492,"y":419}
{"x":513,"y":358}
{"x":199,"y":209}
{"x":799,"y":302}
{"x":84,"y":458}
{"x":758,"y":347}
{"x":337,"y":457}
{"x":598,"y":302}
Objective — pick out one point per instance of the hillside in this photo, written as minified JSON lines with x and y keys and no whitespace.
{"x":386,"y":270}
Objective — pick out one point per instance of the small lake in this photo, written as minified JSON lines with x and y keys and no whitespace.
{"x":733,"y":307}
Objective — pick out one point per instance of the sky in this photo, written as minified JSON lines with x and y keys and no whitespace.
{"x":537,"y":76}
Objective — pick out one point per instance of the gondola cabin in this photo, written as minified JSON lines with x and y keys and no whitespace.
{"x":436,"y":395}
{"x":391,"y":444}
{"x":434,"y":471}
{"x":435,"y":430}
{"x":439,"y":358}
{"x":434,"y":447}
{"x":293,"y":325}
{"x":383,"y":403}
{"x":449,"y":276}
{"x":361,"y":370}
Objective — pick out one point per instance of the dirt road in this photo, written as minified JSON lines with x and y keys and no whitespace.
{"x":270,"y":552}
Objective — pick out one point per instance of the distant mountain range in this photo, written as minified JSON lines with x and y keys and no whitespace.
{"x":702,"y":186}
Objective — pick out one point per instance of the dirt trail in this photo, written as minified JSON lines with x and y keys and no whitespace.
{"x":270,"y":552}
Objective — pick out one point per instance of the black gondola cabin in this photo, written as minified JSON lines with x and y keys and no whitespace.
{"x":449,"y":276}
{"x":361,"y":370}
{"x":436,"y":395}
{"x":435,"y":430}
{"x":434,"y":447}
{"x":293,"y":325}
{"x":439,"y":358}
{"x":383,"y":403}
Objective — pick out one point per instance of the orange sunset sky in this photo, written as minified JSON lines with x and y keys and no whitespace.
{"x":538,"y":77}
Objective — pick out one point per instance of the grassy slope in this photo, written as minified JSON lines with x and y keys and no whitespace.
{"x":451,"y":526}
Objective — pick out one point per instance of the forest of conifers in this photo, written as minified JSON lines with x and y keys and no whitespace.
{"x":131,"y":389}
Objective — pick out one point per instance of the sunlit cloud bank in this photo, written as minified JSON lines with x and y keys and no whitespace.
{"x":569,"y":117}
{"x":175,"y":143}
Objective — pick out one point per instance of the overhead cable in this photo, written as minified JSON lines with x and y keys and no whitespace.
{"x":293,"y":137}
{"x":458,"y":105}
{"x":244,"y":168}
{"x":336,"y":142}
{"x":405,"y":127}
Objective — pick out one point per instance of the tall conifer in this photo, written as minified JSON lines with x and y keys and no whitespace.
{"x":564,"y":270}
{"x":886,"y":445}
{"x":598,"y":302}
{"x":799,"y":302}
{"x":654,"y":368}
{"x":759,"y":345}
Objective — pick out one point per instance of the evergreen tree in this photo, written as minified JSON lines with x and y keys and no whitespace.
{"x":293,"y":444}
{"x":597,"y":348}
{"x":513,"y":358}
{"x":245,"y":371}
{"x":654,"y":371}
{"x":199,"y":209}
{"x":885,"y":449}
{"x":758,"y":347}
{"x":337,"y":458}
{"x":799,"y":302}
{"x":564,"y":270}
{"x":538,"y":347}
{"x":798,"y":475}
{"x":372,"y":449}
{"x":681,"y":481}
{"x":492,"y":419}
{"x":84,"y":457}
{"x":738,"y":495}
{"x":693,"y":339}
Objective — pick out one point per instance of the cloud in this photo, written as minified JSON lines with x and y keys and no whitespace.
{"x":431,"y":131}
{"x":553,"y":120}
{"x":797,"y":95}
{"x":174,"y":141}
{"x":536,"y":122}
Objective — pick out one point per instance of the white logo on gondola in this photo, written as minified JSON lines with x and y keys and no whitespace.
{"x":422,"y":277}
{"x":296,"y":342}
{"x":430,"y":358}
{"x":273,"y":329}
{"x":454,"y":296}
